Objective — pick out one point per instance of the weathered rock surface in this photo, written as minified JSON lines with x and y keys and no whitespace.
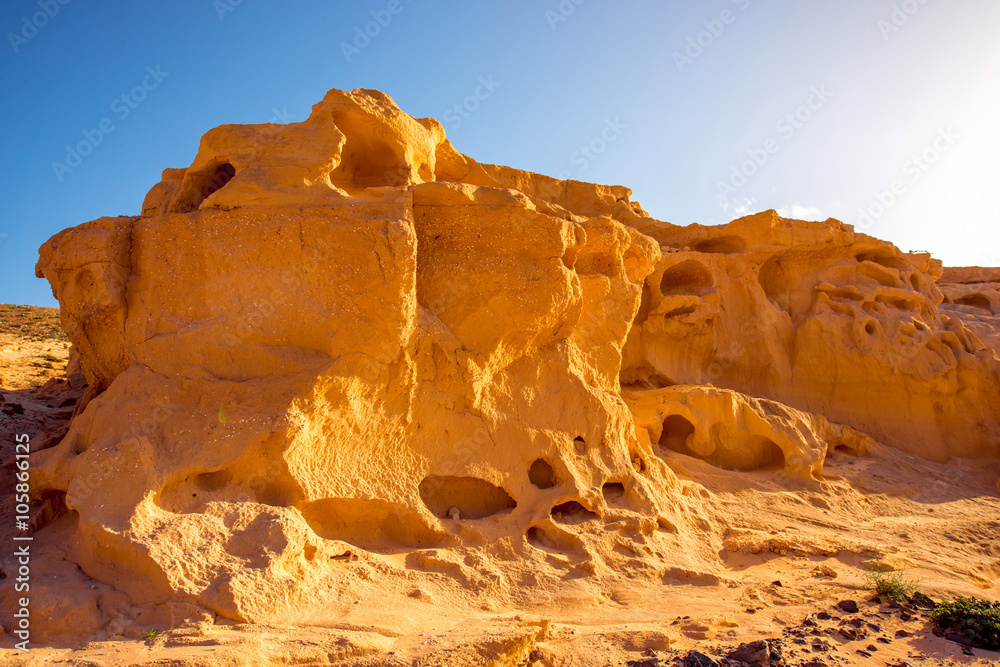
{"x":972,"y":295}
{"x":817,"y":316}
{"x":339,"y":350}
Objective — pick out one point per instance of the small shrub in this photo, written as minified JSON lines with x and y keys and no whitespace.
{"x":976,"y":619}
{"x":151,"y":634}
{"x":893,"y":585}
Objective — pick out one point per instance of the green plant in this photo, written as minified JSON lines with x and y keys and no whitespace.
{"x":150,"y":634}
{"x":893,"y":585}
{"x":976,"y":619}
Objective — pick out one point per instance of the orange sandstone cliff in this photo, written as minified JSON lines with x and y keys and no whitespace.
{"x":338,"y":356}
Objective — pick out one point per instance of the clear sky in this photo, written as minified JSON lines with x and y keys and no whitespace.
{"x":705,"y":109}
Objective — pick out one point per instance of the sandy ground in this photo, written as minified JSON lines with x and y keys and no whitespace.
{"x":789,"y":556}
{"x":33,"y":348}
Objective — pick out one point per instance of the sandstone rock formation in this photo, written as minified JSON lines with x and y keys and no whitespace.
{"x":339,"y":351}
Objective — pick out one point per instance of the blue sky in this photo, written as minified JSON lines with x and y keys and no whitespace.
{"x":882,"y":113}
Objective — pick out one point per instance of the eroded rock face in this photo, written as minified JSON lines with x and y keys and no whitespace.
{"x":823,"y":319}
{"x":340,"y":341}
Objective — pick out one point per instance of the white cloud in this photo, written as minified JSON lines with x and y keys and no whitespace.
{"x":738,"y":208}
{"x":797,"y":212}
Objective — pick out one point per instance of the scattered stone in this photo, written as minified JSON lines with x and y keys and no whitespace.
{"x":645,"y":662}
{"x":849,"y":633}
{"x":820,"y":645}
{"x":823,"y":616}
{"x":849,"y":606}
{"x":901,"y":633}
{"x":755,"y":653}
{"x":698,"y":659}
{"x":921,"y":601}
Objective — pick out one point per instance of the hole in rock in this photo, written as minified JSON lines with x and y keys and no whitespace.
{"x":724,"y":245}
{"x":369,"y":523}
{"x":213,"y":481}
{"x":309,"y":551}
{"x":761,"y":453}
{"x":473,"y":498}
{"x":368,"y":159}
{"x":637,"y":462}
{"x":580,"y":445}
{"x":974,"y":300}
{"x":218,"y":179}
{"x":201,"y":185}
{"x":679,"y":312}
{"x":572,"y":512}
{"x":688,"y":277}
{"x":614,"y":492}
{"x":898,"y":303}
{"x":844,"y":449}
{"x":541,"y":474}
{"x":676,"y":431}
{"x":870,"y":328}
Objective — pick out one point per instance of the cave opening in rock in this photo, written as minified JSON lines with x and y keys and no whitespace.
{"x":974,"y":300}
{"x":676,"y":432}
{"x":463,"y":497}
{"x":572,"y":512}
{"x":688,"y":277}
{"x":613,"y":492}
{"x":199,"y":186}
{"x":541,"y":474}
{"x":218,"y":179}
